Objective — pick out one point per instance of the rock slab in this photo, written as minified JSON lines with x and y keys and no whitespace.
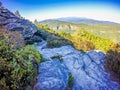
{"x":86,"y":68}
{"x":52,"y":76}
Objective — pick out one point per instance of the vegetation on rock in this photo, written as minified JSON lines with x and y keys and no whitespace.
{"x":18,"y":63}
{"x":53,"y":38}
{"x":70,"y":82}
{"x":59,"y":57}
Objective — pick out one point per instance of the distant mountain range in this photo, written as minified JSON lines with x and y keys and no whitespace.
{"x":79,"y":20}
{"x":106,"y":29}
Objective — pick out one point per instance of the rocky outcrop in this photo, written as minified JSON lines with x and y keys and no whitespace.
{"x":13,"y":23}
{"x":86,"y":68}
{"x":65,"y":27}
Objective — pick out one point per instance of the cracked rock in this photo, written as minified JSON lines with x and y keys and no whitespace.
{"x":86,"y":68}
{"x":13,"y":23}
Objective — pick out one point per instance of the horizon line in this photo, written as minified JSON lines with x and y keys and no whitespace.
{"x":75,"y":17}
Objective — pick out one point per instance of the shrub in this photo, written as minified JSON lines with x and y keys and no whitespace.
{"x":82,"y":44}
{"x":53,"y":39}
{"x":117,"y":47}
{"x":18,"y":63}
{"x":33,"y":39}
{"x":25,"y":63}
{"x":12,"y":39}
{"x":112,"y":63}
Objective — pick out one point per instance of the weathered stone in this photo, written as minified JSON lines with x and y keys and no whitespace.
{"x":86,"y":68}
{"x":13,"y":23}
{"x":53,"y":76}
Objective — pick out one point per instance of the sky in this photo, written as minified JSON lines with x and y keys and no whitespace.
{"x":107,"y":10}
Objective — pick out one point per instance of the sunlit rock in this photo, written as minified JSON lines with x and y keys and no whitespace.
{"x":52,"y":76}
{"x":86,"y":68}
{"x":13,"y":23}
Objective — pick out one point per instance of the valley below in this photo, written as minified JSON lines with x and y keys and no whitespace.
{"x":104,"y":29}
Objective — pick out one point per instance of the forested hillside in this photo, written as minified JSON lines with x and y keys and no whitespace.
{"x":105,"y":30}
{"x":81,"y":39}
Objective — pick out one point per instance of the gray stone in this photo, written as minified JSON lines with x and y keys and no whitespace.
{"x":52,"y":76}
{"x":86,"y":68}
{"x":13,"y":23}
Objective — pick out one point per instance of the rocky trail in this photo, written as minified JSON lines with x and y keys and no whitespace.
{"x":86,"y":68}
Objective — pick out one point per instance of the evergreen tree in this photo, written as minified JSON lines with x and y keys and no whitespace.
{"x":17,"y":14}
{"x":35,"y":21}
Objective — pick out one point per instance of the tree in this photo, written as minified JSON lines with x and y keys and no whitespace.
{"x":17,"y":14}
{"x":35,"y":21}
{"x":0,"y":4}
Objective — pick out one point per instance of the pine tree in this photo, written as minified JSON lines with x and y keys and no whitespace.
{"x":17,"y":14}
{"x":35,"y":21}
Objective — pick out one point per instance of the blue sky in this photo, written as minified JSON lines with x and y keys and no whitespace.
{"x":108,"y":10}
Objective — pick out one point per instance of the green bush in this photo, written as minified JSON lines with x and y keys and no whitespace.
{"x":18,"y":63}
{"x":25,"y":63}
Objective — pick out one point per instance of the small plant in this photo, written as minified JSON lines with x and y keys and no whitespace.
{"x":57,"y":57}
{"x":70,"y":82}
{"x":33,"y":39}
